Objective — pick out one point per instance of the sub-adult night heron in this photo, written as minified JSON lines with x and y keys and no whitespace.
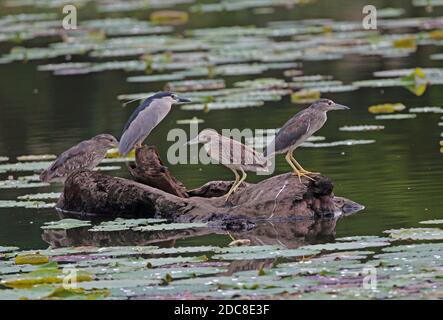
{"x":232,"y":154}
{"x":85,"y":155}
{"x":298,"y":129}
{"x":145,"y":118}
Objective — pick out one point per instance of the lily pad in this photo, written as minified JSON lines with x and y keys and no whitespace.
{"x":25,"y":204}
{"x":120,"y":224}
{"x":387,"y":108}
{"x":40,"y":196}
{"x":42,"y":157}
{"x":435,"y":221}
{"x":416,"y":234}
{"x":65,"y":224}
{"x":396,"y":116}
{"x":361,"y":128}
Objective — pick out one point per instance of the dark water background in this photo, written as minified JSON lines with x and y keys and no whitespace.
{"x":399,"y":178}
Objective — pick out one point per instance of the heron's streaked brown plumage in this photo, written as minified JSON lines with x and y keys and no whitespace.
{"x":85,"y":155}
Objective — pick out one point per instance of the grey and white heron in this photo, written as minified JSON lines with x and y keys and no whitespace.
{"x":232,"y":154}
{"x":145,"y":118}
{"x":85,"y":155}
{"x":298,"y":129}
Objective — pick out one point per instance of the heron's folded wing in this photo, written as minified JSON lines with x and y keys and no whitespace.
{"x":292,"y":133}
{"x":74,"y":158}
{"x":138,"y":129}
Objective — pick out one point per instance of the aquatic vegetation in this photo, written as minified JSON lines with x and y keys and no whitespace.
{"x":40,"y":196}
{"x":323,"y":271}
{"x":426,"y":110}
{"x":305,"y":96}
{"x":396,"y":116}
{"x":124,"y":224}
{"x":435,"y":221}
{"x":417,"y":234}
{"x":193,"y":85}
{"x":65,"y":224}
{"x":31,"y":259}
{"x":386,"y":108}
{"x":416,"y":81}
{"x":21,"y":184}
{"x":25,"y":204}
{"x":38,"y":166}
{"x":41,"y":157}
{"x":361,"y":128}
{"x":169,"y":17}
{"x":114,"y":154}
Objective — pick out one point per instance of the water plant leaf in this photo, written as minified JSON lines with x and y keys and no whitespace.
{"x":26,"y":204}
{"x":386,"y":108}
{"x":120,"y":224}
{"x":65,"y":224}
{"x":416,"y":234}
{"x":21,"y":184}
{"x":169,"y":17}
{"x":169,"y":226}
{"x":305,"y":96}
{"x":361,"y":128}
{"x":434,"y":221}
{"x":42,"y":157}
{"x":40,"y":196}
{"x":31,"y":259}
{"x":396,"y":116}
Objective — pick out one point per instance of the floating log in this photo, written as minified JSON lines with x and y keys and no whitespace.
{"x":159,"y":194}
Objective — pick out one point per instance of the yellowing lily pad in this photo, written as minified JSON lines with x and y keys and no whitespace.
{"x":387,"y":108}
{"x":305,"y":96}
{"x":31,"y":259}
{"x":169,"y":17}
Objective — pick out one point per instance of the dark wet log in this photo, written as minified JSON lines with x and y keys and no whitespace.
{"x":150,"y":170}
{"x":278,"y":197}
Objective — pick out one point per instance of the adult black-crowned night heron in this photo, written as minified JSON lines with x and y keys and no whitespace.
{"x":232,"y":154}
{"x":298,"y":129}
{"x":85,"y":155}
{"x":145,"y":118}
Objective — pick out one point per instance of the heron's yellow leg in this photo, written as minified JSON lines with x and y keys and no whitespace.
{"x":296,"y":171}
{"x":233,"y":187}
{"x":300,"y":167}
{"x":243,"y":178}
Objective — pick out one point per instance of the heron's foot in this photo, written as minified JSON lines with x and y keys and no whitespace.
{"x":309,"y":172}
{"x":301,"y":174}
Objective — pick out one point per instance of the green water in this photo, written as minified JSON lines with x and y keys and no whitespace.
{"x":399,"y":178}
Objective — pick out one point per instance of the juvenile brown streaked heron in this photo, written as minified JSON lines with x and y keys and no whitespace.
{"x":85,"y":155}
{"x":145,"y":118}
{"x":298,"y":129}
{"x":232,"y":154}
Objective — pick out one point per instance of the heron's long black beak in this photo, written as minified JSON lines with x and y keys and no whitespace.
{"x":181,"y":100}
{"x":340,"y":107}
